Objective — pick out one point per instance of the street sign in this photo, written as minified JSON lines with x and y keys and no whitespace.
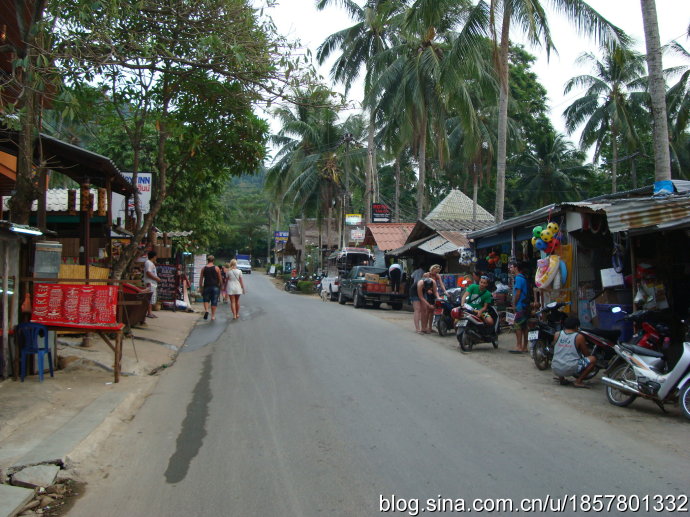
{"x":380,"y":213}
{"x":281,"y":236}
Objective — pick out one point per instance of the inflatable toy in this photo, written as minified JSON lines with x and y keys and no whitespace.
{"x":536,"y":231}
{"x":546,"y":271}
{"x":546,"y":235}
{"x":564,"y":273}
{"x":493,"y":259}
{"x":553,"y":227}
{"x":541,"y":245}
{"x":534,"y":241}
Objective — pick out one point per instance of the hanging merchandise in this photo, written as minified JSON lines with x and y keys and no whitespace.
{"x":546,"y":271}
{"x":493,"y":259}
{"x":466,"y":256}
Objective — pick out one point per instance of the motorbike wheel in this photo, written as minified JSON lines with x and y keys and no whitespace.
{"x":333,"y":297}
{"x":494,"y":342}
{"x":541,"y":359}
{"x":465,"y":341}
{"x":358,"y":301}
{"x":341,"y":298}
{"x":287,"y":286}
{"x":442,"y":327}
{"x":684,"y":400}
{"x":617,"y":397}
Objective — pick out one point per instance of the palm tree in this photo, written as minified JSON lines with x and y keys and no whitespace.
{"x":608,"y":106}
{"x":678,"y":103}
{"x":546,"y":175}
{"x":359,"y":45}
{"x":312,"y":161}
{"x":657,"y":91}
{"x":531,"y":16}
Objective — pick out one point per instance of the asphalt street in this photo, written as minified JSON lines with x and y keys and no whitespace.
{"x":306,"y":408}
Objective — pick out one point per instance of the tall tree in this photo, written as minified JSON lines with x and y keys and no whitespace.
{"x":609,"y":104}
{"x":531,"y":17}
{"x":359,"y":45}
{"x":657,"y":91}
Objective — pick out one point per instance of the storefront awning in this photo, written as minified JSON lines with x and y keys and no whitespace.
{"x":407,"y":247}
{"x":438,"y":246}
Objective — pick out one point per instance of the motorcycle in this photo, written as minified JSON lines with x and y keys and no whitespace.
{"x":540,"y":336}
{"x":471,"y":329}
{"x":291,"y":285}
{"x":642,"y":372}
{"x":443,"y":320}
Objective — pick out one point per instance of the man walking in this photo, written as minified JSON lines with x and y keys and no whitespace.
{"x":151,"y":281}
{"x":209,"y":283}
{"x":521,"y":305}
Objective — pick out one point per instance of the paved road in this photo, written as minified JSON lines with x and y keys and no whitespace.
{"x":281,"y":414}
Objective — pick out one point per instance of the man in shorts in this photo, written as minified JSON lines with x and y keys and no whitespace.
{"x":151,"y":281}
{"x":210,"y":282}
{"x":479,"y":298}
{"x":521,"y":306}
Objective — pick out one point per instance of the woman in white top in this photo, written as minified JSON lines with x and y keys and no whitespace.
{"x":235,"y":287}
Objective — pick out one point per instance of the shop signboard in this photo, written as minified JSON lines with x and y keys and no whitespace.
{"x":357,"y":234}
{"x":380,"y":213}
{"x":167,"y":287}
{"x":69,"y":304}
{"x":144,"y":185}
{"x":281,"y":237}
{"x":353,"y":219}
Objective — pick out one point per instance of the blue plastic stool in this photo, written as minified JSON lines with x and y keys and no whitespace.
{"x":30,"y":334}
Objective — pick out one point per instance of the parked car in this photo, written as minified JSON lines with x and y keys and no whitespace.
{"x":339,"y":265}
{"x":244,"y":266}
{"x":367,"y":284}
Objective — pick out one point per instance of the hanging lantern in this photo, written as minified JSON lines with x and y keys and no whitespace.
{"x":102,"y":201}
{"x":85,"y":198}
{"x":72,"y":202}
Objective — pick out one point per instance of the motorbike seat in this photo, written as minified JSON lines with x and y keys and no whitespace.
{"x":611,"y":335}
{"x":643,"y":351}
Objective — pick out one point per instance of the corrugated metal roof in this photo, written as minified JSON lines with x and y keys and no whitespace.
{"x":631,"y":214}
{"x":438,"y":246}
{"x":444,"y":225}
{"x":407,"y":247}
{"x":388,"y":236}
{"x":457,"y":206}
{"x":459,"y":239}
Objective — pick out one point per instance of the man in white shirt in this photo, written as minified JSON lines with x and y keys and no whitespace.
{"x":395,"y":274}
{"x":151,"y":281}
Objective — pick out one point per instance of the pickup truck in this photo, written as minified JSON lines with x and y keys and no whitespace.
{"x":354,"y":286}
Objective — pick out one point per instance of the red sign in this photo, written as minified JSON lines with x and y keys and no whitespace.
{"x":380,"y":213}
{"x":75,"y":305}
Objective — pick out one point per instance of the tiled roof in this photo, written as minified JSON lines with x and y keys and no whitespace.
{"x":456,"y":207}
{"x":388,"y":236}
{"x":454,"y":225}
{"x":458,"y":239}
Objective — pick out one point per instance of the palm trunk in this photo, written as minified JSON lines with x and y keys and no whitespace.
{"x":633,"y":173}
{"x":475,"y":189}
{"x":421,"y":157}
{"x":614,"y":164}
{"x":397,"y":190}
{"x":370,"y":168}
{"x":502,"y":115}
{"x":657,"y":92}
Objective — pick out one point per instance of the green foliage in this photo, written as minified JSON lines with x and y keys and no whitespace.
{"x":305,"y":286}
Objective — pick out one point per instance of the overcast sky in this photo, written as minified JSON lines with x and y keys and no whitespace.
{"x":300,"y":19}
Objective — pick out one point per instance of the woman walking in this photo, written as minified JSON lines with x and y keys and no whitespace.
{"x":235,"y":287}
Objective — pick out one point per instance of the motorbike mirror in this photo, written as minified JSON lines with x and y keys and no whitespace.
{"x":616,"y":310}
{"x":551,"y":305}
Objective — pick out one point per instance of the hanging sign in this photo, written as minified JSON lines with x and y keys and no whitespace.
{"x":380,"y":213}
{"x":357,"y":234}
{"x":353,"y":219}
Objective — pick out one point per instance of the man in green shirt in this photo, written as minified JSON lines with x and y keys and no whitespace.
{"x":479,"y":298}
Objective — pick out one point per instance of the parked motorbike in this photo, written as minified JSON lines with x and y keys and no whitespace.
{"x":471,"y":329}
{"x":443,"y":320}
{"x":291,"y":285}
{"x":642,"y":372}
{"x":541,"y":336}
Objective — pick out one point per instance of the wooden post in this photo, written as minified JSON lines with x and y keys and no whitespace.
{"x":5,"y":308}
